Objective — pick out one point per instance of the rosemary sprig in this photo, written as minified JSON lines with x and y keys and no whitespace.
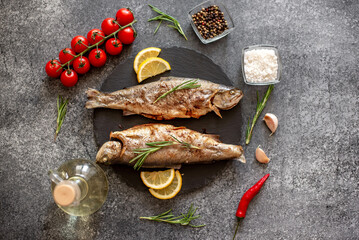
{"x":61,"y":112}
{"x":260,"y":107}
{"x":185,"y":85}
{"x":165,"y":17}
{"x":184,"y":144}
{"x":183,"y":219}
{"x":154,"y":147}
{"x":144,"y":152}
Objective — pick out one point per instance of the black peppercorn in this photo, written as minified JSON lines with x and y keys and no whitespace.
{"x":210,"y":22}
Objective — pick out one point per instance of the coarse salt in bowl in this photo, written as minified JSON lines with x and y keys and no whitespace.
{"x":261,"y":65}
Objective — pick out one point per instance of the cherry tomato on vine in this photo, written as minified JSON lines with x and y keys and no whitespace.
{"x":81,"y":65}
{"x":69,"y":78}
{"x":79,"y":44}
{"x":66,"y":55}
{"x":127,"y":35}
{"x":108,"y":26}
{"x":51,"y":68}
{"x":97,"y":57}
{"x":124,"y":16}
{"x":113,"y":46}
{"x":95,"y":35}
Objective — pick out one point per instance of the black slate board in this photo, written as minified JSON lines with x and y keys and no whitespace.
{"x":184,"y":63}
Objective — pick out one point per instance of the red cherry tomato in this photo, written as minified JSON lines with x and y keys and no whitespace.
{"x":51,"y":68}
{"x":124,"y":16}
{"x":69,"y":78}
{"x":113,"y":46}
{"x":79,"y":44}
{"x":108,"y":26}
{"x":97,"y":57}
{"x":127,"y":35}
{"x":95,"y":35}
{"x":81,"y":65}
{"x":66,"y":55}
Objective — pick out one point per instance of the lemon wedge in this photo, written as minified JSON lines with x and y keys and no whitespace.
{"x":171,"y":190}
{"x":145,"y":54}
{"x":158,"y":179}
{"x":152,"y":67}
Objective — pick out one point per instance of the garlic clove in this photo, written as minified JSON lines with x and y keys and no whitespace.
{"x":271,"y":121}
{"x":261,"y":156}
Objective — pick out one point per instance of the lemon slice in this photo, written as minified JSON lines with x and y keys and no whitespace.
{"x":158,"y":179}
{"x":143,"y":55}
{"x":152,"y":67}
{"x":171,"y":190}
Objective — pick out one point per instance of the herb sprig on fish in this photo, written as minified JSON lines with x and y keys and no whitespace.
{"x":154,"y":147}
{"x":185,"y":85}
{"x":61,"y":112}
{"x":194,"y":103}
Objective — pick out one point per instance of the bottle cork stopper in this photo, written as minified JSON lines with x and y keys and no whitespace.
{"x":64,"y":194}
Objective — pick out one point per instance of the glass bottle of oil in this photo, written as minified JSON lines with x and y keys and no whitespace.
{"x":79,"y":187}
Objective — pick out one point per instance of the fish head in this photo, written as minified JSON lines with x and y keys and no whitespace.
{"x":109,"y":152}
{"x":227,"y":98}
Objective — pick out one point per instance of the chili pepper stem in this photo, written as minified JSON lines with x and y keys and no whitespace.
{"x":235,"y":233}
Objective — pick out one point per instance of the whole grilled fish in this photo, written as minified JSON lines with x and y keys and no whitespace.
{"x":208,"y":148}
{"x":185,"y":103}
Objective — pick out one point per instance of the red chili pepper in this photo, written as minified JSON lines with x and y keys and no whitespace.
{"x":247,"y":198}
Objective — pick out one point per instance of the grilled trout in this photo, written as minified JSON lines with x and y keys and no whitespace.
{"x":208,"y":148}
{"x":185,"y":103}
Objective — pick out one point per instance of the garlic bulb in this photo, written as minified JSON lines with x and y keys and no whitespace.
{"x":261,"y":156}
{"x":271,"y":121}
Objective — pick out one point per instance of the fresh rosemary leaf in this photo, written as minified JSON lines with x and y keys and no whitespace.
{"x":184,"y":144}
{"x":260,"y":107}
{"x":185,"y":85}
{"x":183,"y":219}
{"x":154,"y":147}
{"x":158,"y":26}
{"x":166,"y":17}
{"x":61,"y":112}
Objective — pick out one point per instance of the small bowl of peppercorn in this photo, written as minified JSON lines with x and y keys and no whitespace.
{"x":210,"y":21}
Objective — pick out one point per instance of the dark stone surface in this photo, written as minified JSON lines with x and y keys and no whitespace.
{"x":313,"y":189}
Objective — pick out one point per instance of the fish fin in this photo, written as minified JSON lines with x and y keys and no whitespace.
{"x":156,"y":117}
{"x":127,"y":113}
{"x":240,"y":159}
{"x":213,"y":107}
{"x":91,"y":93}
{"x":216,"y":110}
{"x":214,"y":136}
{"x":178,"y":128}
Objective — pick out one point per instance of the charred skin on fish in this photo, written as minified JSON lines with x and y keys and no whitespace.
{"x":186,"y":103}
{"x":119,"y":150}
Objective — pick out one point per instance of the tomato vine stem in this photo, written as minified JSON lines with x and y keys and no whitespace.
{"x":98,"y":43}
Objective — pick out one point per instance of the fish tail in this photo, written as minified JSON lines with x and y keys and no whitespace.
{"x":240,"y":159}
{"x":240,"y":155}
{"x":92,"y":95}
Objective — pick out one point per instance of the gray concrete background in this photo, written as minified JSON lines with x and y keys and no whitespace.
{"x":313,"y":189}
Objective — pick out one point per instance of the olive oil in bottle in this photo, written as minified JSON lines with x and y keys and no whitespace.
{"x":79,"y":187}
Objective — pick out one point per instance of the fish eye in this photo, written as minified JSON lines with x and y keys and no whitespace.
{"x":231,"y":92}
